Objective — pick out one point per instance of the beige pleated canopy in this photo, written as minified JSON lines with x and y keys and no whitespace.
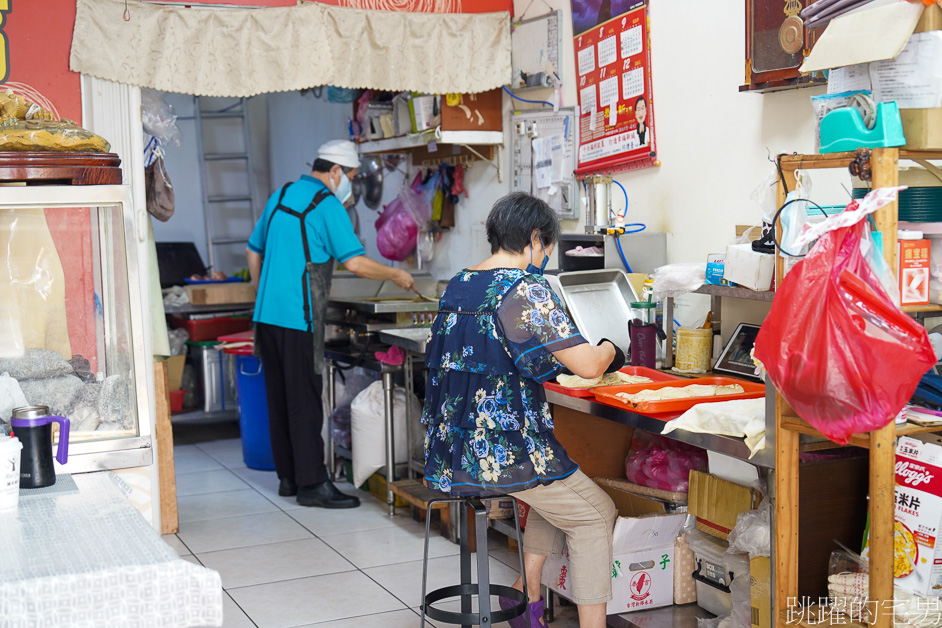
{"x":244,"y":52}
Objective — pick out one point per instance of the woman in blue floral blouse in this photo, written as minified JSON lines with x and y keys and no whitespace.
{"x":500,"y":333}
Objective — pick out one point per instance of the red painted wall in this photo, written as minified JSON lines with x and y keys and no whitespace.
{"x":38,"y":38}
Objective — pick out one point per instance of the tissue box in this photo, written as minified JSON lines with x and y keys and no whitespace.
{"x":749,"y":269}
{"x":714,"y":269}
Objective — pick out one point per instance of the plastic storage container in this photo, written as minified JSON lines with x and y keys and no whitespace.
{"x":217,"y":383}
{"x":211,"y":328}
{"x":253,"y":410}
{"x":716,"y":570}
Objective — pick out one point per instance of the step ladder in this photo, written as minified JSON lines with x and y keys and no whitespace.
{"x":222,"y":204}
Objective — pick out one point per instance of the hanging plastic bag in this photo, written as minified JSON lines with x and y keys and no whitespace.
{"x":159,"y":194}
{"x":397,"y":227}
{"x":837,"y":348}
{"x":158,"y":118}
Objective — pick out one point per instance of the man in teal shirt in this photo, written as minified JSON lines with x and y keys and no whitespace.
{"x":291,"y":254}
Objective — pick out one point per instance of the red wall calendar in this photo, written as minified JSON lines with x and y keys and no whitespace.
{"x":613,"y":69}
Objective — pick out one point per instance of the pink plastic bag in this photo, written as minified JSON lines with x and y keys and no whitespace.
{"x":837,"y":348}
{"x":661,"y":463}
{"x":397,"y":227}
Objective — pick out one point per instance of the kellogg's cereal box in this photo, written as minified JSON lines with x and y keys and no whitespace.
{"x":917,"y":561}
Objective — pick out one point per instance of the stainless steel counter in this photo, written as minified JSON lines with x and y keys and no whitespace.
{"x":410,"y":339}
{"x":735,"y":447}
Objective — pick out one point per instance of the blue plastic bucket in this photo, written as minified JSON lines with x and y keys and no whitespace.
{"x":253,"y":413}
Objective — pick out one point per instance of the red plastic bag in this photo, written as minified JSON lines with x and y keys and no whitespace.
{"x":839,"y":350}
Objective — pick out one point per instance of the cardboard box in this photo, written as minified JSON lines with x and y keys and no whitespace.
{"x":760,"y":582}
{"x":220,"y":293}
{"x":923,"y":127}
{"x":422,"y":109}
{"x":630,"y":504}
{"x":643,"y":567}
{"x":716,"y":503}
{"x":914,"y":256}
{"x":175,"y":365}
{"x":747,"y":268}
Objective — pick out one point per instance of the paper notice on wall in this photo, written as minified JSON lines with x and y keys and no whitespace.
{"x":852,"y":78}
{"x":542,"y":162}
{"x":558,"y":156}
{"x":914,"y":78}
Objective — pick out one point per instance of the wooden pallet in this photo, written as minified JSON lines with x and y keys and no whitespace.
{"x":418,"y":495}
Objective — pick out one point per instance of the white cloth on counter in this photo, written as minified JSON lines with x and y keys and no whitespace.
{"x":88,"y":558}
{"x":739,"y":418}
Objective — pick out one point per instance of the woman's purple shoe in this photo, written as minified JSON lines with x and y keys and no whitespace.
{"x":535,"y":610}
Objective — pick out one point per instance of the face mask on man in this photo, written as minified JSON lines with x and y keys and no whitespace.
{"x":344,"y":189}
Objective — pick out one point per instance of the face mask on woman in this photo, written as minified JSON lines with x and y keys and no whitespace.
{"x":531,"y":268}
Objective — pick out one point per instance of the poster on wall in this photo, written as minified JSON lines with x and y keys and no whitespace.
{"x":613,"y":69}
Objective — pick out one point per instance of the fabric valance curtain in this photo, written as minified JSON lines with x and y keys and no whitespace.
{"x":243,"y":52}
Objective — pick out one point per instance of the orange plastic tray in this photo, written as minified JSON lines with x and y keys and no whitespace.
{"x":608,"y":394}
{"x":641,"y":371}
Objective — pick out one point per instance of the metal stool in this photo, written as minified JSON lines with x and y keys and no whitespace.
{"x":467,"y":590}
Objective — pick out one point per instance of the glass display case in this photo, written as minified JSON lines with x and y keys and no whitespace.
{"x":74,"y":332}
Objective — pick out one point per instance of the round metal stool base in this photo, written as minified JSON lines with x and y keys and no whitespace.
{"x":460,"y":590}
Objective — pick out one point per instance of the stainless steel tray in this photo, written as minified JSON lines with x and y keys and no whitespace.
{"x":384,"y":305}
{"x":599,"y":303}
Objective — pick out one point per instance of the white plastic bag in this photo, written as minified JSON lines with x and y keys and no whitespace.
{"x":674,"y":280}
{"x":752,"y":533}
{"x":158,"y":118}
{"x":368,"y":429}
{"x":741,"y":595}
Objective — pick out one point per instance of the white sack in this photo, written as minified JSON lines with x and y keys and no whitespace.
{"x":368,"y":430}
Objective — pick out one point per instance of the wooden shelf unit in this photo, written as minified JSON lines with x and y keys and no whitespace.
{"x":881,"y":443}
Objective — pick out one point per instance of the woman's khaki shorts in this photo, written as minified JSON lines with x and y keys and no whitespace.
{"x":574,"y":511}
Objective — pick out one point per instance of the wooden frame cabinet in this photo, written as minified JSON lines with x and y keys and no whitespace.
{"x":881,"y":443}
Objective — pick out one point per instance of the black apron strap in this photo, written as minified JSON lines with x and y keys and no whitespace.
{"x":301,"y":216}
{"x":305,"y":280}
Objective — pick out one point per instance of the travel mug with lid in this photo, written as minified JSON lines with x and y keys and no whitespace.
{"x":32,"y":425}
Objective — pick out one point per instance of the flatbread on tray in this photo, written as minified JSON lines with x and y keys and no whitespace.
{"x":683,"y":392}
{"x":608,"y":379}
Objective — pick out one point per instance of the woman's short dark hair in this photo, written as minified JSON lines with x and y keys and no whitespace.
{"x":515,"y":217}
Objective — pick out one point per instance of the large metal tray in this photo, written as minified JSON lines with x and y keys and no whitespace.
{"x":385,"y":305}
{"x":599,"y":302}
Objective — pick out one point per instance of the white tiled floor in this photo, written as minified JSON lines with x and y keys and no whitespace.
{"x":285,"y":565}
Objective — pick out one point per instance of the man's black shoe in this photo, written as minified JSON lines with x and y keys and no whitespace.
{"x":326,"y":495}
{"x":287,"y":488}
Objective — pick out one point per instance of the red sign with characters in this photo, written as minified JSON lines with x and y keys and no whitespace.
{"x":613,"y":69}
